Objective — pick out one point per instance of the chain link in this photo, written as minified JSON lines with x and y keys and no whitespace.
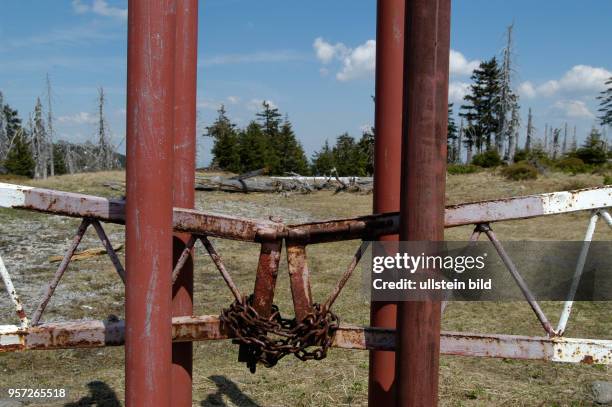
{"x":267,"y":340}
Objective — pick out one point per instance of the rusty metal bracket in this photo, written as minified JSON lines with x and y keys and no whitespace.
{"x":299,"y":276}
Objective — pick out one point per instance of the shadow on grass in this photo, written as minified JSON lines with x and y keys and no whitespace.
{"x":226,"y":387}
{"x":100,"y":394}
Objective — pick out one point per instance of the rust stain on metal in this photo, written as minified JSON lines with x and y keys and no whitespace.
{"x":299,"y":276}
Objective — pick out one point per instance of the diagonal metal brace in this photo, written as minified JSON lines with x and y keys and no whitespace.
{"x":60,"y":270}
{"x":109,"y":248}
{"x":486,"y":229}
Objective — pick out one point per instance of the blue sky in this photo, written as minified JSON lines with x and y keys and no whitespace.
{"x":314,"y":60}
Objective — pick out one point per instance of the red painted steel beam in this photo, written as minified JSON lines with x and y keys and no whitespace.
{"x":387,"y":171}
{"x":150,"y":127}
{"x":426,"y":55}
{"x":185,"y":82}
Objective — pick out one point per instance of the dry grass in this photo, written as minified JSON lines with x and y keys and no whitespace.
{"x":92,"y":290}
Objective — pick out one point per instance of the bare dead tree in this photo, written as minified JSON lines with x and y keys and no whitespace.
{"x":508,"y":103}
{"x":39,"y":144}
{"x":564,"y":150}
{"x":49,"y":144}
{"x":459,"y":141}
{"x":574,"y":144}
{"x":546,"y":138}
{"x":514,"y":128}
{"x":555,"y":146}
{"x":4,"y":142}
{"x":106,"y":152}
{"x":70,"y":160}
{"x":528,"y":138}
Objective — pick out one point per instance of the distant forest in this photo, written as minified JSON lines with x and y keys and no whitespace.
{"x":30,"y":149}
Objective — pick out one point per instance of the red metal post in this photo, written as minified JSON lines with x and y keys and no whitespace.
{"x":185,"y":82}
{"x":425,"y":104}
{"x":387,"y":171}
{"x":150,"y":127}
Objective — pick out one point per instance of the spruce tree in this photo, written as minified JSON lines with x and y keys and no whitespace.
{"x":323,"y":160}
{"x":270,"y":120}
{"x":226,"y":149}
{"x":366,"y":146}
{"x":482,"y":104}
{"x":253,"y":147}
{"x":19,"y":160}
{"x":290,"y":151}
{"x":348,"y":157}
{"x":451,"y":137}
{"x":605,"y":104}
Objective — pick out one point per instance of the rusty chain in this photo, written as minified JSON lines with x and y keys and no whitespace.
{"x":270,"y":339}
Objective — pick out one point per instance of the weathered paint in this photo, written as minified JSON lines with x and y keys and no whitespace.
{"x":148,"y":208}
{"x":265,"y":279}
{"x":387,"y":171}
{"x":567,"y":306}
{"x":299,"y":277}
{"x":183,"y":185}
{"x":10,"y":290}
{"x":363,"y":227}
{"x":423,"y":180}
{"x":87,"y":334}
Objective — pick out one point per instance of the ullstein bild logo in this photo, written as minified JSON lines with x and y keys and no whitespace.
{"x":474,"y":271}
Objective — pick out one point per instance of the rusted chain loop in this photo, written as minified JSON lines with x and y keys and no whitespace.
{"x":270,"y":339}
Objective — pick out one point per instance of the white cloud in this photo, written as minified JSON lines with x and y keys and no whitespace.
{"x":457,"y":90}
{"x":527,"y":89}
{"x":575,"y":109}
{"x":460,"y":65}
{"x":579,"y":79}
{"x":355,"y":62}
{"x":326,"y":52}
{"x":78,"y":118}
{"x":360,"y":61}
{"x":233,"y":99}
{"x":99,"y":7}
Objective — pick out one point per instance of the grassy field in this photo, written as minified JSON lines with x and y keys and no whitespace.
{"x":91,"y":289}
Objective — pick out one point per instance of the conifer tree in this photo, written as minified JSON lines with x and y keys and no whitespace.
{"x":323,"y":160}
{"x":349,"y":159}
{"x":290,"y":151}
{"x":366,"y":145}
{"x":226,"y":148}
{"x":482,"y":109}
{"x":253,"y":147}
{"x":605,"y":104}
{"x":270,"y":120}
{"x":19,"y":160}
{"x":451,"y":137}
